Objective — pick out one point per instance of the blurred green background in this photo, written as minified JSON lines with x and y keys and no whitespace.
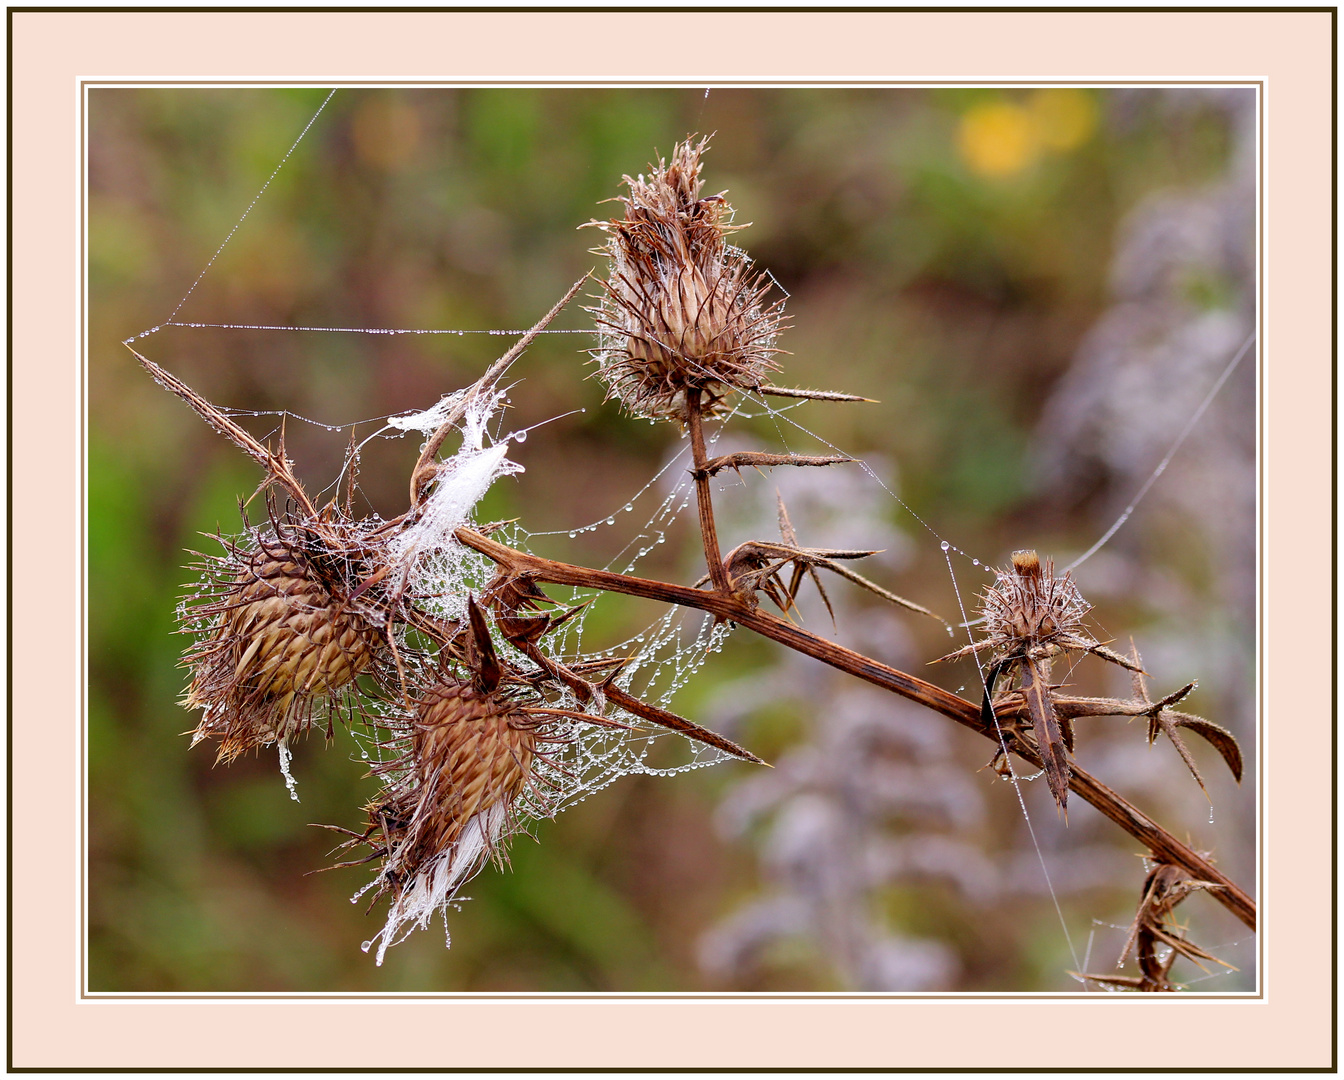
{"x":974,"y":258}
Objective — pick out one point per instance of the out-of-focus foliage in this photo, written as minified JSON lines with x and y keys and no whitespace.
{"x":945,"y":251}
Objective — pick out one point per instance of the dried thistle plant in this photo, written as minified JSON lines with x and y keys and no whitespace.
{"x":287,"y":619}
{"x":466,"y":698}
{"x":1031,"y":616}
{"x":290,"y":616}
{"x":460,"y":762}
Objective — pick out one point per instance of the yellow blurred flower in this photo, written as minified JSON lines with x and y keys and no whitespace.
{"x":1065,"y":118}
{"x":998,"y":138}
{"x":1002,"y":138}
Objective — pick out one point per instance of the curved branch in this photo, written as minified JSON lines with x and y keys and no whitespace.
{"x":1160,"y":842}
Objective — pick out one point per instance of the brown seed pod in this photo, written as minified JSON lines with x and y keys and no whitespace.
{"x":472,"y":754}
{"x":287,"y":623}
{"x":449,"y":803}
{"x":681,"y":308}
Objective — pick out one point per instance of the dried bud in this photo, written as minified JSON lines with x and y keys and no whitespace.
{"x":1029,"y":615}
{"x":449,"y":801}
{"x":681,"y":309}
{"x":1028,"y":606}
{"x":279,"y":639}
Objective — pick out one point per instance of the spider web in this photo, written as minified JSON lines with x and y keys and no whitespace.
{"x":667,"y":653}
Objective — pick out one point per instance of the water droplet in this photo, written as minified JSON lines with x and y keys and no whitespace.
{"x":1210,"y":813}
{"x":975,"y":562}
{"x":611,"y":521}
{"x":946,"y":545}
{"x":629,"y":507}
{"x":572,"y":535}
{"x":520,"y":436}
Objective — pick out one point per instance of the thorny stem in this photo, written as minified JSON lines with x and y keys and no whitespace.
{"x":701,"y":473}
{"x":1161,"y":843}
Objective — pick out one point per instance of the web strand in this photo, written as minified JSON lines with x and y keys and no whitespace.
{"x":255,"y":199}
{"x":1162,"y":465}
{"x":372,"y":330}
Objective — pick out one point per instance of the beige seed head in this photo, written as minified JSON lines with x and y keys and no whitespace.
{"x":681,"y":308}
{"x":470,"y":757}
{"x":475,"y":749}
{"x":280,"y":643}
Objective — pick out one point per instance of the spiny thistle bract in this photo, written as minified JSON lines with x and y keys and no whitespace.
{"x":286,"y":620}
{"x":1028,"y":606}
{"x":681,"y":309}
{"x":449,"y":800}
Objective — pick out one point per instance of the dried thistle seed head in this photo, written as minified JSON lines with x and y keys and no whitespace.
{"x":681,"y":309}
{"x":280,"y":635}
{"x":449,"y":803}
{"x":1028,"y":606}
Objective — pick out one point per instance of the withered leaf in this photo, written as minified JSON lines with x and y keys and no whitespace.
{"x":1218,"y":737}
{"x":1049,"y":739}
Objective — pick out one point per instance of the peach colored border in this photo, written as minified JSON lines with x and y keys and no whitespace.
{"x":1287,"y":1026}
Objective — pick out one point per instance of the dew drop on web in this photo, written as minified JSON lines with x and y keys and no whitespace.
{"x":290,"y":782}
{"x":946,"y":545}
{"x":520,"y":436}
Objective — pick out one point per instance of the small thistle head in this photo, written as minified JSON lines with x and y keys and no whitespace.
{"x":680,"y":309}
{"x":448,"y":805}
{"x":281,"y":634}
{"x":1028,"y":606}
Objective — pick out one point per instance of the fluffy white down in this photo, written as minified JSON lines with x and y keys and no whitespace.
{"x":438,"y":881}
{"x":427,"y":549}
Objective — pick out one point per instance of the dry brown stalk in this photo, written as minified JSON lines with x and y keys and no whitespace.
{"x":703,"y":501}
{"x":737,"y":610}
{"x":757,"y":460}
